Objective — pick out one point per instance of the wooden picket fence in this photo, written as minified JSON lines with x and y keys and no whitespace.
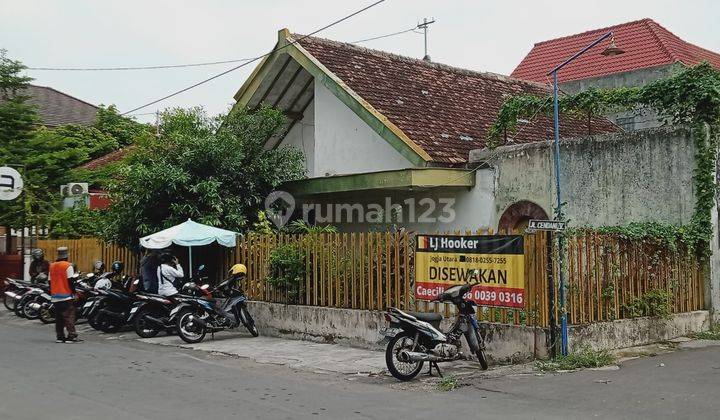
{"x":607,"y":277}
{"x":85,"y":251}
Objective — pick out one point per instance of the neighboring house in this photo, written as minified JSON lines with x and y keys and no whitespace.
{"x":381,"y":128}
{"x":651,"y":52}
{"x":97,"y":198}
{"x":56,"y":108}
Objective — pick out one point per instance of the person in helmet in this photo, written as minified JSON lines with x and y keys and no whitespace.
{"x":39,"y":266}
{"x":168,"y":272}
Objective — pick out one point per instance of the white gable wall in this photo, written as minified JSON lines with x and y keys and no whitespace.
{"x":344,"y":144}
{"x":302,"y":137}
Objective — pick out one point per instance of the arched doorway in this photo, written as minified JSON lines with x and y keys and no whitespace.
{"x":517,"y":216}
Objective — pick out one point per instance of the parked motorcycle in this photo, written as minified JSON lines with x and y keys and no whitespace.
{"x":109,"y":311}
{"x":83,"y":291}
{"x":14,"y":290}
{"x":151,"y":313}
{"x":197,"y":316}
{"x":420,"y":339}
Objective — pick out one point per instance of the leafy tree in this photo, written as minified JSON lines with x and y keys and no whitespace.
{"x":17,"y":123}
{"x":124,"y":130}
{"x":213,"y":170}
{"x":74,"y":223}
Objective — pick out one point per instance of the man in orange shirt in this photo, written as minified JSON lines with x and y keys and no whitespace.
{"x":62,"y":295}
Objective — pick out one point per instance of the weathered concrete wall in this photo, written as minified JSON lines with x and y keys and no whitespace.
{"x":504,"y":343}
{"x":328,"y":325}
{"x":638,"y":119}
{"x":302,"y":137}
{"x":606,"y":180}
{"x":636,"y":331}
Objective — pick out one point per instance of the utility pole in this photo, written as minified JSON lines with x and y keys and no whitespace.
{"x":424,"y":26}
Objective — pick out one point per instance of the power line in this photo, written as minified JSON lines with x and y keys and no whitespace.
{"x":254,"y":59}
{"x":190,"y":65}
{"x":385,"y":36}
{"x":172,"y":66}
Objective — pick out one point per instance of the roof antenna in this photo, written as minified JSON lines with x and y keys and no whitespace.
{"x":424,"y":26}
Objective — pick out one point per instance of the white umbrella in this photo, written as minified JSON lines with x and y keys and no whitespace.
{"x":190,"y":234}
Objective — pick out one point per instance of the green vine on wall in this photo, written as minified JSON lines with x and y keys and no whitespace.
{"x":691,"y":97}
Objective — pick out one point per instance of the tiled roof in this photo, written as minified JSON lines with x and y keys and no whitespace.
{"x":645,"y":42}
{"x":106,"y":159}
{"x":447,"y":111}
{"x":57,"y":108}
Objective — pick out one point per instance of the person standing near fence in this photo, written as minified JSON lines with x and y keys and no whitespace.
{"x":62,"y":296}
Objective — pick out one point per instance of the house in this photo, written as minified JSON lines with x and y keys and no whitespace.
{"x":97,"y":198}
{"x":57,"y":108}
{"x":651,"y":52}
{"x":378,"y":128}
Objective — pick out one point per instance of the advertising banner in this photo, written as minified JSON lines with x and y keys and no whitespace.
{"x":496,"y":263}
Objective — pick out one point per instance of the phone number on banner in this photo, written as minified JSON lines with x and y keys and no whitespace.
{"x":498,"y":296}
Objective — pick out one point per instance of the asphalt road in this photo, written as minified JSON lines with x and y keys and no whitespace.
{"x":124,"y":379}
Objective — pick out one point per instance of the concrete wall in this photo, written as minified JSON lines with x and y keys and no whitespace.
{"x":638,"y":119}
{"x":504,"y":343}
{"x":636,"y":331}
{"x":607,"y":180}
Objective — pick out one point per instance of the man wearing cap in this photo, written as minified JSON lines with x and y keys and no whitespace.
{"x":62,"y":296}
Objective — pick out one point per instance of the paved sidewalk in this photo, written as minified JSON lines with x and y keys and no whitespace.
{"x":296,"y":354}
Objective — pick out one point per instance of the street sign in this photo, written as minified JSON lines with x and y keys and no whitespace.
{"x":11,"y":183}
{"x":552,"y":225}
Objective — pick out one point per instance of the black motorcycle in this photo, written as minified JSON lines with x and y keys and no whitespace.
{"x":109,"y":311}
{"x":197,"y":316}
{"x":420,"y":339}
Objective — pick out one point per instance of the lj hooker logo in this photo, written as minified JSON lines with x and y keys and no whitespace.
{"x":495,"y":264}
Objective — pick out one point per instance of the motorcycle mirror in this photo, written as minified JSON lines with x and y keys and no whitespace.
{"x":201,"y":267}
{"x":205,"y":286}
{"x":136,"y":282}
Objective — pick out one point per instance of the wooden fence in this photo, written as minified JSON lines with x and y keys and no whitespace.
{"x":610,"y":278}
{"x":84,"y":252}
{"x":607,"y":277}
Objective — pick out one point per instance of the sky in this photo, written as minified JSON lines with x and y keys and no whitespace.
{"x":479,"y":35}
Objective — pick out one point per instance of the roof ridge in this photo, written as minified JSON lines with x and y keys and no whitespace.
{"x":653,"y":28}
{"x":65,"y":94}
{"x":605,"y":29}
{"x":431,"y":64}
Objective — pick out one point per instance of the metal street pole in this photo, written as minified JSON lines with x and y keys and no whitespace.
{"x":558,"y":192}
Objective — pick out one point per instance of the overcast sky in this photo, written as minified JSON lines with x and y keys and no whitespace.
{"x":478,"y":35}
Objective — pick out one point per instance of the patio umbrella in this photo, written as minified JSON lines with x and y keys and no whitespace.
{"x":189,"y":234}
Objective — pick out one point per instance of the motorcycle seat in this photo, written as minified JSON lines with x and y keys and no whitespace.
{"x":431,"y":318}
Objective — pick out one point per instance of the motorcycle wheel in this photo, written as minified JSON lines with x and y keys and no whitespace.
{"x":248,"y":321}
{"x":401,"y":370}
{"x":142,"y":327}
{"x":20,"y":307}
{"x":47,"y":314}
{"x":30,"y":313}
{"x":187,"y":335}
{"x":479,"y":351}
{"x":9,"y":302}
